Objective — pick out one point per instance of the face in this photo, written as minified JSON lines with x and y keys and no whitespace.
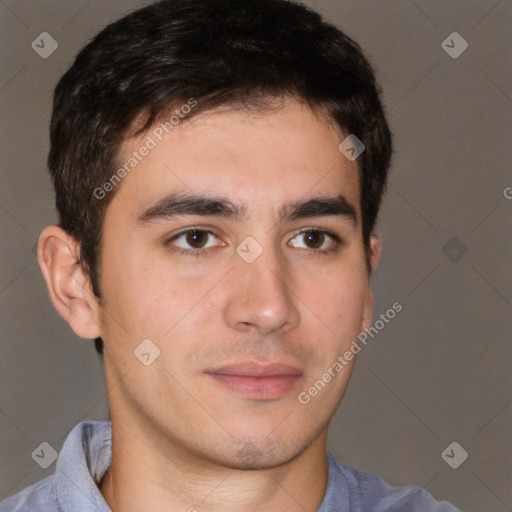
{"x":235,"y":246}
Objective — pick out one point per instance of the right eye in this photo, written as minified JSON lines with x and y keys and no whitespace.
{"x":193,"y":242}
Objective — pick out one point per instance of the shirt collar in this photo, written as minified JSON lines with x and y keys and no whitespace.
{"x":83,"y":460}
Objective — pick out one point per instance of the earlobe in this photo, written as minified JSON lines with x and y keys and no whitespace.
{"x":68,"y":285}
{"x":367,"y":312}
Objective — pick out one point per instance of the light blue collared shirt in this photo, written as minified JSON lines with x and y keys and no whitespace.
{"x":87,"y":453}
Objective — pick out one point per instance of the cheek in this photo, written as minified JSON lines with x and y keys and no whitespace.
{"x":350,"y":304}
{"x":150,"y":298}
{"x":134,"y":291}
{"x":337,"y":298}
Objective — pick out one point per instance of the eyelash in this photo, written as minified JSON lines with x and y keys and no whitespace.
{"x":337,"y":242}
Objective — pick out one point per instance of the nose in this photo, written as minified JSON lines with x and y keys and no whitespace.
{"x":260,"y":296}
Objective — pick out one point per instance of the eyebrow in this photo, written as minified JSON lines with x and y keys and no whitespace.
{"x":176,"y":205}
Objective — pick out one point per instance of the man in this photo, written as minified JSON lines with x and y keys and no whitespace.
{"x":218,"y":169}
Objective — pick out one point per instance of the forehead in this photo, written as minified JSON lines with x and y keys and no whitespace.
{"x":257,"y":158}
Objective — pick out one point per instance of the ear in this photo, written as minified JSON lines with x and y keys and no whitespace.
{"x":68,"y":285}
{"x":375,"y":252}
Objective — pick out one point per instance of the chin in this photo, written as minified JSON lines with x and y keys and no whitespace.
{"x":258,"y":453}
{"x":251,"y":458}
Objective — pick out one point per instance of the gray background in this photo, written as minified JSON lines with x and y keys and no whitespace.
{"x":439,"y":372}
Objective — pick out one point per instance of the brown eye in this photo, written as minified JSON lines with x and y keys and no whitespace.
{"x":197,"y":239}
{"x":314,"y":239}
{"x":193,"y":241}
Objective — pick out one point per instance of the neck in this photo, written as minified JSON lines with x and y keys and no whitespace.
{"x":147,"y":474}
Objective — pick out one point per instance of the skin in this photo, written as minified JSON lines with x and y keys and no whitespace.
{"x":181,"y":439}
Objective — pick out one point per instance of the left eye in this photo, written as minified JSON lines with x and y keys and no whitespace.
{"x":316,"y":239}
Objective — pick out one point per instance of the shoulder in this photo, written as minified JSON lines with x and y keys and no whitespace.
{"x":372,"y":493}
{"x":41,"y":496}
{"x":83,"y":459}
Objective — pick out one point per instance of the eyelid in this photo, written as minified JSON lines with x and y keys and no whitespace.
{"x":324,"y":231}
{"x":184,"y":231}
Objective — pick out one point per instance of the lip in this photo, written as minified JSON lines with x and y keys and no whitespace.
{"x":257,"y":381}
{"x":255,"y":369}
